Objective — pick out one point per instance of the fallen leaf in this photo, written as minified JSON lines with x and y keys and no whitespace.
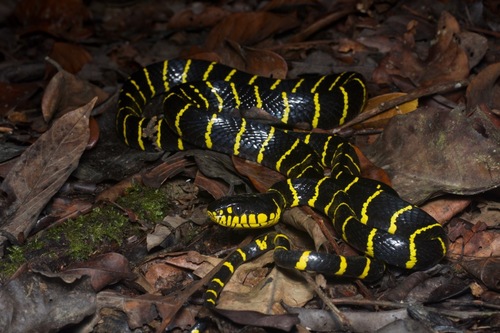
{"x":103,"y":270}
{"x":484,"y":88}
{"x":248,"y":28}
{"x":70,"y":57}
{"x":66,"y":92}
{"x":33,"y":302}
{"x":42,"y":169}
{"x":432,"y":151}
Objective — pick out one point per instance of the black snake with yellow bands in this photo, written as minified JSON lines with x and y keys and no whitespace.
{"x":203,"y":103}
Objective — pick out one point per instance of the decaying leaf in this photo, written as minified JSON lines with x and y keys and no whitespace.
{"x":266,"y":293}
{"x":66,"y":92}
{"x":36,"y":303}
{"x":42,"y":169}
{"x":485,"y":88}
{"x":432,"y":151}
{"x":249,"y":28}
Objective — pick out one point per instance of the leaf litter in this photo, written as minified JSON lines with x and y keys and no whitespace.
{"x":443,"y":152}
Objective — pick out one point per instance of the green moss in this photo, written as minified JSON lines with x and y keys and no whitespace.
{"x":101,"y":230}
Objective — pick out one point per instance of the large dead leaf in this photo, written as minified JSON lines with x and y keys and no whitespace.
{"x":65,"y":92}
{"x":263,"y":295}
{"x":249,"y":28}
{"x":36,"y":303}
{"x":431,"y":151}
{"x":42,"y":169}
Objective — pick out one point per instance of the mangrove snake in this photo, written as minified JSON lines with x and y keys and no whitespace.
{"x":200,"y":99}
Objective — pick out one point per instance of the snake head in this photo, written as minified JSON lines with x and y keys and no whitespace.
{"x":246,"y":211}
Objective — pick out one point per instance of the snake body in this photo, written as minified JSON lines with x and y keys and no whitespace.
{"x":202,"y":104}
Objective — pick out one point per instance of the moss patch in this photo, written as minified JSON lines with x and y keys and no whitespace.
{"x":103,"y":229}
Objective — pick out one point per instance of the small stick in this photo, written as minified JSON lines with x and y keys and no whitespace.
{"x":417,"y":93}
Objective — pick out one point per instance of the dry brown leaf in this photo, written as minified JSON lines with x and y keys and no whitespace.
{"x":255,"y":61}
{"x":265,"y":295}
{"x":103,"y":270}
{"x":432,"y":151}
{"x":66,"y":92}
{"x":33,"y":302}
{"x":42,"y":169}
{"x":484,"y":88}
{"x":70,"y":57}
{"x":249,"y":28}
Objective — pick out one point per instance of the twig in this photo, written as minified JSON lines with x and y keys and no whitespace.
{"x":341,"y":318}
{"x":417,"y":93}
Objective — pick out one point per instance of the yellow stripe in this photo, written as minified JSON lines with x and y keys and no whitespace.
{"x":139,"y":134}
{"x":185,"y":71}
{"x":327,"y":207}
{"x":297,"y":85}
{"x":257,"y":97}
{"x":317,"y":111}
{"x":342,"y":266}
{"x":158,"y":133}
{"x":125,"y":128}
{"x":260,"y":155}
{"x":148,"y":80}
{"x":324,"y":154}
{"x":207,"y":72}
{"x":180,"y":144}
{"x":236,"y":148}
{"x":413,"y":249}
{"x":178,"y":119}
{"x":252,"y":79}
{"x":211,"y":291}
{"x":313,"y":90}
{"x":231,"y":73}
{"x":344,"y":225}
{"x":394,"y":218}
{"x":313,"y":199}
{"x":229,"y":266}
{"x":202,"y":97}
{"x":208,"y":131}
{"x":275,"y":84}
{"x":366,"y":271}
{"x":366,"y":204}
{"x":337,"y":79}
{"x":242,"y":254}
{"x":286,"y":111}
{"x":164,"y":75}
{"x":307,"y":138}
{"x":295,"y":194}
{"x":346,"y":105}
{"x":219,"y":98}
{"x":262,"y":244}
{"x":354,"y":181}
{"x":369,"y":242}
{"x":302,"y":262}
{"x":138,"y":90}
{"x":286,"y":154}
{"x":235,"y":95}
{"x":218,"y":281}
